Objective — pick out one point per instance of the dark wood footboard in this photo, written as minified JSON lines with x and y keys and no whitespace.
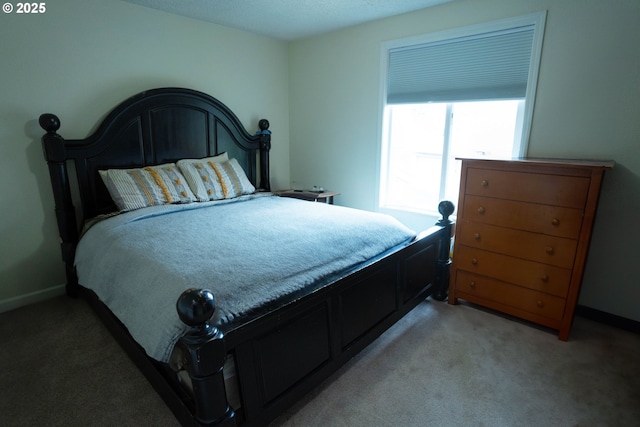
{"x":283,"y":354}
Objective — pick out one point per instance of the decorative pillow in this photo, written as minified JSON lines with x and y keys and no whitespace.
{"x":189,"y":170}
{"x":223,"y":157}
{"x":153,"y":185}
{"x":215,"y":179}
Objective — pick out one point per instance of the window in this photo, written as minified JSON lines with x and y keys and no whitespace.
{"x":466,"y":93}
{"x":424,"y":140}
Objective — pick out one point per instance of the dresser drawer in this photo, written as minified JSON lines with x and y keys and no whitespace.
{"x":537,"y":247}
{"x":552,"y":220}
{"x":557,"y":190}
{"x":528,"y":274}
{"x":538,"y":303}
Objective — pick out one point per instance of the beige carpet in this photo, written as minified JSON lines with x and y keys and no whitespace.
{"x":440,"y":366}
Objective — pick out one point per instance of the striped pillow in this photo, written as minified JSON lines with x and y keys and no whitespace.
{"x":195,"y":181}
{"x":212,"y":179}
{"x":153,"y":185}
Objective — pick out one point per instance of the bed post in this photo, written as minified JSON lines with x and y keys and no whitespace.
{"x":204,"y":350}
{"x":54,"y":153}
{"x":445,"y":208}
{"x":265,"y":146}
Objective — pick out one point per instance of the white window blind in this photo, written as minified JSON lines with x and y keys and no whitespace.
{"x":492,"y":65}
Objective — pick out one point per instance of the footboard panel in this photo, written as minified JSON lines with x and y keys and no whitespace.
{"x":292,"y":351}
{"x":366,"y":303}
{"x":420,"y":271}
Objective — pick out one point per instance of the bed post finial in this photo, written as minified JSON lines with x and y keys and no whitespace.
{"x":445,"y":208}
{"x":195,"y":307}
{"x":265,"y":146}
{"x":55,"y":154}
{"x":204,"y":351}
{"x":49,"y":122}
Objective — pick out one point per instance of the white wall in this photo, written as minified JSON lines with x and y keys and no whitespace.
{"x":587,"y":106}
{"x":78,"y":60}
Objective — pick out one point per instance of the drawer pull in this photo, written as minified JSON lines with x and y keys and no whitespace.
{"x":540,"y":304}
{"x":481,"y":210}
{"x":472,"y":285}
{"x":555,"y":221}
{"x":474,"y":261}
{"x":549,"y":250}
{"x":484,"y":183}
{"x":476,"y":236}
{"x":545,"y":278}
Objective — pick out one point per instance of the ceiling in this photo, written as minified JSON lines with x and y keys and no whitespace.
{"x":288,"y":19}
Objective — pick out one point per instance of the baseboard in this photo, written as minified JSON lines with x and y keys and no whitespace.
{"x":31,"y":298}
{"x":608,"y":319}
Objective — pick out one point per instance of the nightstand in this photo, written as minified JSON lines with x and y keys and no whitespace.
{"x":312,"y":196}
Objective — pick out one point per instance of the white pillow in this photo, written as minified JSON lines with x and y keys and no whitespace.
{"x":189,"y":167}
{"x":215,"y":178}
{"x":141,"y":187}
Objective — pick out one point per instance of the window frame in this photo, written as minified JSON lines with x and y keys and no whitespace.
{"x":536,"y":19}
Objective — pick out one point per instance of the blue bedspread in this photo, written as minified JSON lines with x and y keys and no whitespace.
{"x":248,"y":252}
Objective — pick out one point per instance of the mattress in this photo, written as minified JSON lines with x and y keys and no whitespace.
{"x":249,"y":252}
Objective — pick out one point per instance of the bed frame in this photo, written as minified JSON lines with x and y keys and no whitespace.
{"x":288,"y":347}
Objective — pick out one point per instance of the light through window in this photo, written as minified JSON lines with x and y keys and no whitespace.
{"x":423,"y":140}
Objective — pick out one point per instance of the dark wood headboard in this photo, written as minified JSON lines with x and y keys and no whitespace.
{"x":153,"y":127}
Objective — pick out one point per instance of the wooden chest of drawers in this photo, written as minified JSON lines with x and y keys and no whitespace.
{"x":522,"y":236}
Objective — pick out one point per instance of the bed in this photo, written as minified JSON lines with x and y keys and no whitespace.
{"x":239,"y":341}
